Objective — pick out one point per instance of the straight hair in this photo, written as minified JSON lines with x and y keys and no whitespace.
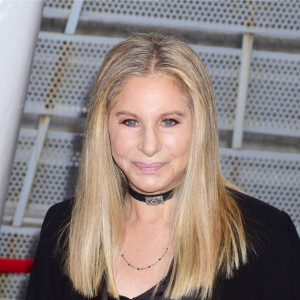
{"x":211,"y":240}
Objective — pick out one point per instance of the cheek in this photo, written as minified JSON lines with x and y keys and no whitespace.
{"x":121,"y":146}
{"x":179,"y":146}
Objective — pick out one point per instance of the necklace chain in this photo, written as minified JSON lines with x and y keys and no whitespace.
{"x":144,"y":268}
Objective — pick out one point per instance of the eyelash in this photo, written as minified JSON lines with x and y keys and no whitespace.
{"x":173,"y":120}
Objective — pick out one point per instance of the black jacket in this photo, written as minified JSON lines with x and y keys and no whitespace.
{"x":272,"y":275}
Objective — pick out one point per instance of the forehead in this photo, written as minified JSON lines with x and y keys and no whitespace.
{"x":156,"y":92}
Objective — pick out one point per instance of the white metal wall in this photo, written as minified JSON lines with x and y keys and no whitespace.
{"x":256,"y":91}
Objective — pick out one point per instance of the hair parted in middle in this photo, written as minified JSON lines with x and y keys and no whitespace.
{"x":206,"y":222}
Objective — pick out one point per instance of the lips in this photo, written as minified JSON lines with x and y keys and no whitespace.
{"x":149,"y":168}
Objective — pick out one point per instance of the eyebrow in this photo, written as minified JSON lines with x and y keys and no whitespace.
{"x":127,"y":113}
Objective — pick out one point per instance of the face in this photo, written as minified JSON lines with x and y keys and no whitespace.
{"x":150,"y":129}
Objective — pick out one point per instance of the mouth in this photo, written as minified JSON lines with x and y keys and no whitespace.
{"x":149,"y":168}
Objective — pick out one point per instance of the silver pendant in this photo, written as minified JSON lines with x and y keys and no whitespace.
{"x":156,"y":200}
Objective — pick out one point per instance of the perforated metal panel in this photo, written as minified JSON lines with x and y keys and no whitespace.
{"x":269,"y":17}
{"x":271,"y":177}
{"x":18,"y":242}
{"x":57,"y":8}
{"x":277,"y":17}
{"x":223,"y":65}
{"x":55,"y":179}
{"x":273,"y":103}
{"x":65,"y":67}
{"x":24,"y":147}
{"x":63,"y":72}
{"x":56,"y":174}
{"x":13,"y":286}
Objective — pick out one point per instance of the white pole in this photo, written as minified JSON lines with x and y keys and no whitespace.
{"x":74,"y":17}
{"x":238,"y":129}
{"x":31,"y":170}
{"x":41,"y":134}
{"x":19,"y":26}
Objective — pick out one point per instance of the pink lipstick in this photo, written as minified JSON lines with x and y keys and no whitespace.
{"x":149,"y":168}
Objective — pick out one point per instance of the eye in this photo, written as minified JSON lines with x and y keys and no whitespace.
{"x":129,"y":122}
{"x":170,"y":122}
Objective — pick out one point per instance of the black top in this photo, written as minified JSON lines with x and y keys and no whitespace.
{"x":272,"y":275}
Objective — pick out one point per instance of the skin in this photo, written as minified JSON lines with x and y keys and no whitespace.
{"x":139,"y":133}
{"x":149,"y":123}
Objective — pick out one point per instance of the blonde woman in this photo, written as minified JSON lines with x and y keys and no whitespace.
{"x":153,"y":217}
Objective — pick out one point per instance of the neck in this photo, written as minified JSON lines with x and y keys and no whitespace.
{"x":140,"y":212}
{"x":150,"y":199}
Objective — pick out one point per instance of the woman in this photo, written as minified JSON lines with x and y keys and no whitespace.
{"x":153,"y":217}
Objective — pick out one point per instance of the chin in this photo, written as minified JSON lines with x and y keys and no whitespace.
{"x":150,"y":187}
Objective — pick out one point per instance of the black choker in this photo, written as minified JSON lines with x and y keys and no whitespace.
{"x":150,"y":199}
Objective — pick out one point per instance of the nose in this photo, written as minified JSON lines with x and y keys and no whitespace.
{"x":150,"y":142}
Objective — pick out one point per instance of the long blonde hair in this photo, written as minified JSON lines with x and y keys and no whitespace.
{"x":211,"y":240}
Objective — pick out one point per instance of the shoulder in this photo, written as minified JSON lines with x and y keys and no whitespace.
{"x":56,"y":221}
{"x":60,"y":211}
{"x":260,"y":212}
{"x":273,"y":267}
{"x":264,"y":223}
{"x":250,"y":204}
